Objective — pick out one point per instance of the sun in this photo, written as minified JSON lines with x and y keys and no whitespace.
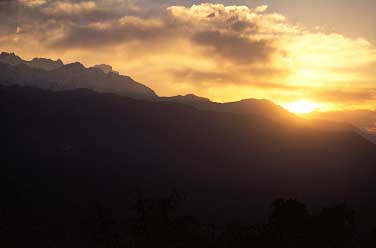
{"x":301,"y":107}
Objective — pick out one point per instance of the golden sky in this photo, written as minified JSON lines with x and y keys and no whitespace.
{"x":225,"y":53}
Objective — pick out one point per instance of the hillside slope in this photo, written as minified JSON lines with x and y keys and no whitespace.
{"x":83,"y":131}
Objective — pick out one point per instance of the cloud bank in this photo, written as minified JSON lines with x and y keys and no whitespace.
{"x":221,"y":52}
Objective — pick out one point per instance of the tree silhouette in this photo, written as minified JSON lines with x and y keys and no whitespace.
{"x":155,"y":220}
{"x":288,"y":222}
{"x":335,"y":226}
{"x":373,"y":238}
{"x":4,"y":227}
{"x":160,"y":223}
{"x":102,"y":229}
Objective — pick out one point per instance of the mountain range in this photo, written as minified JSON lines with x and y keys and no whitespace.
{"x":65,"y":152}
{"x":54,"y":75}
{"x":38,"y":63}
{"x":70,"y":139}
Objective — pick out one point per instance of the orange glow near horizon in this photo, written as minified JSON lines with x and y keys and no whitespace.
{"x":302,"y":107}
{"x":224,"y":53}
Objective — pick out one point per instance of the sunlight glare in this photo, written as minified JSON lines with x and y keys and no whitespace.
{"x":301,"y":107}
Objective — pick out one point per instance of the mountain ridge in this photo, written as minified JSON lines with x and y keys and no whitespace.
{"x":38,"y":63}
{"x":70,"y":76}
{"x":79,"y":147}
{"x":55,"y":75}
{"x":102,"y":78}
{"x":182,"y":144}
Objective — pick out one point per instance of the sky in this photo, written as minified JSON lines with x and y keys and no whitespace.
{"x":317,"y":53}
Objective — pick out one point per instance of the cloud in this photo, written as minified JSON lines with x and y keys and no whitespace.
{"x":345,"y":95}
{"x":32,"y":3}
{"x":223,"y":52}
{"x":101,"y":34}
{"x":8,"y":11}
{"x":200,"y":76}
{"x":240,"y":49}
{"x":70,"y":8}
{"x":234,"y":40}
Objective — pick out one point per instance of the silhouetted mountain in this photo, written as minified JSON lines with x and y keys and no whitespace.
{"x":189,"y":99}
{"x":337,"y":125}
{"x":75,"y":147}
{"x":364,"y":120}
{"x":262,"y":108}
{"x":105,"y":68}
{"x":54,"y":75}
{"x":361,"y":122}
{"x":45,"y":64}
{"x":66,"y":151}
{"x":75,"y":75}
{"x":39,"y":63}
{"x":10,"y":58}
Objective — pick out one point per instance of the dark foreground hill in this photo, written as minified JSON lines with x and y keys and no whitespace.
{"x":65,"y":152}
{"x":332,"y":121}
{"x":264,"y":108}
